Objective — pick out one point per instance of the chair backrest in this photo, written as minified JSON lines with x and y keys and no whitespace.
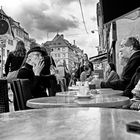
{"x":4,"y":100}
{"x":22,"y":91}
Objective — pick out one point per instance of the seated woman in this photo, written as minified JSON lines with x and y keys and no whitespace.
{"x":110,"y":73}
{"x":87,"y":74}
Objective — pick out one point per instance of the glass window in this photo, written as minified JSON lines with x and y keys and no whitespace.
{"x":63,"y":49}
{"x":64,"y":55}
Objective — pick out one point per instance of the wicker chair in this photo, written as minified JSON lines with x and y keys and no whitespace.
{"x":4,"y":100}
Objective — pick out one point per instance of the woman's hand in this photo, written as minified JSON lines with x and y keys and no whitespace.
{"x":38,"y":67}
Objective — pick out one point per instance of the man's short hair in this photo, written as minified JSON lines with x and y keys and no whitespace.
{"x":133,"y":41}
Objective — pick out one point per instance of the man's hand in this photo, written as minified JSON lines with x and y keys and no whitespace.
{"x":38,"y":67}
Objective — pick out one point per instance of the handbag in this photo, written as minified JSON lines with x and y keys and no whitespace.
{"x":12,"y":76}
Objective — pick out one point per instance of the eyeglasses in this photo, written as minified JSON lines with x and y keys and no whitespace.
{"x":123,"y":45}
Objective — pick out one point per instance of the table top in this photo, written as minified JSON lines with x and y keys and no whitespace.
{"x":68,"y":124}
{"x":73,"y":101}
{"x":94,"y":92}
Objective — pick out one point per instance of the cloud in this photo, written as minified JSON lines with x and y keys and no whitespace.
{"x":67,"y":2}
{"x":43,"y":18}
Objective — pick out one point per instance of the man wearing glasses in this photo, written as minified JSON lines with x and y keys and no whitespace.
{"x":130,"y":48}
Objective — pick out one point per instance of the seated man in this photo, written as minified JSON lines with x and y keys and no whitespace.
{"x":130,"y":48}
{"x":131,"y":88}
{"x":31,"y":70}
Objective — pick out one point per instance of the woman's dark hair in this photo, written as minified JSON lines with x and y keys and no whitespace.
{"x":85,"y":55}
{"x":112,"y":66}
{"x":20,"y":49}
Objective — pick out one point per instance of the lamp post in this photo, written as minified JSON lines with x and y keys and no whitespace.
{"x":2,"y":45}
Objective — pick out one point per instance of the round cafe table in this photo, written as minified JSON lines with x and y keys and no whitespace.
{"x":94,"y":92}
{"x":74,"y":101}
{"x":69,"y":124}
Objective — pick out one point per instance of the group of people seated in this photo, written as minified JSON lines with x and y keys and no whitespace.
{"x":35,"y":66}
{"x":130,"y":51}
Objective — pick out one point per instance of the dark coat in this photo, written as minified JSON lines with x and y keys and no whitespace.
{"x":127,"y":74}
{"x":26,"y":72}
{"x":131,"y":86}
{"x":13,"y":63}
{"x":48,"y":62}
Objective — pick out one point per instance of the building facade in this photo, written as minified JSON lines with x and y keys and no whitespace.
{"x":63,"y":52}
{"x":15,"y":33}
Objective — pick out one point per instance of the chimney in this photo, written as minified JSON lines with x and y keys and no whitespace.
{"x":73,"y":42}
{"x":62,"y":36}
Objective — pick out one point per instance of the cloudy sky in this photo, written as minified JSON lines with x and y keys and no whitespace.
{"x":42,"y":19}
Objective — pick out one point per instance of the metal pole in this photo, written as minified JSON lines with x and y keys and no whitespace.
{"x":1,"y":61}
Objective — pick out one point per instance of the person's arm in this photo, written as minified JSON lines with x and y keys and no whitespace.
{"x":83,"y":76}
{"x":113,"y":76}
{"x":7,"y":64}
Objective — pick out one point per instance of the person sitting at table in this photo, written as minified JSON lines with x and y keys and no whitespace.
{"x":110,"y":72}
{"x":31,"y":70}
{"x":84,"y":62}
{"x":130,"y":48}
{"x":87,"y":74}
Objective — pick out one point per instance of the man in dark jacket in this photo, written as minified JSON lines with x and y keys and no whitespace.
{"x":130,"y":48}
{"x":32,"y":70}
{"x":132,"y":84}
